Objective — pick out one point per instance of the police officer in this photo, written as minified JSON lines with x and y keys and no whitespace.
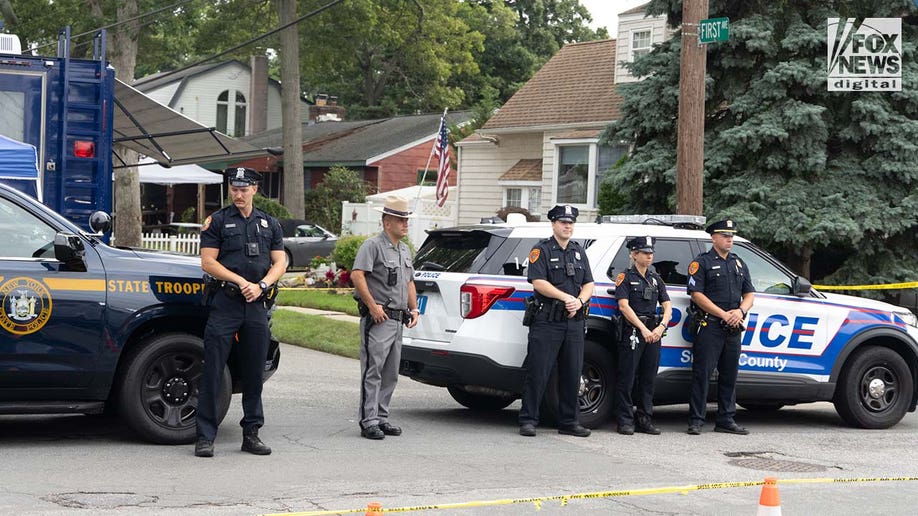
{"x":722,"y":291}
{"x":242,"y":248}
{"x":563,"y":285}
{"x":383,"y":278}
{"x":638,"y":291}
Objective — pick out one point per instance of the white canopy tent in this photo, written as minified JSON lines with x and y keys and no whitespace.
{"x":152,"y":172}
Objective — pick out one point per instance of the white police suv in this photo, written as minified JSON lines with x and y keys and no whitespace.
{"x":800,"y":345}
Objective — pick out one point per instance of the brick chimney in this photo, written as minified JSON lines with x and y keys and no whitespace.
{"x":258,"y":95}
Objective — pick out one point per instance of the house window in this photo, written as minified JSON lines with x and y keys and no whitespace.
{"x":535,"y":200}
{"x":430,"y":179}
{"x":514,"y":197}
{"x":608,"y":157}
{"x":640,"y":43}
{"x":573,"y":174}
{"x":224,"y":113}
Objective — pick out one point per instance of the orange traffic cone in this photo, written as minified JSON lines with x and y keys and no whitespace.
{"x":374,"y":509}
{"x":769,"y":500}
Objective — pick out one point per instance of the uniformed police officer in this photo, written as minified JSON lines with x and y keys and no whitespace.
{"x":638,"y":291}
{"x":242,"y":248}
{"x":721,"y":289}
{"x":383,"y":278}
{"x":563,"y":285}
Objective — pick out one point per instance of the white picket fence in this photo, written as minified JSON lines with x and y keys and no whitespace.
{"x":185,"y":243}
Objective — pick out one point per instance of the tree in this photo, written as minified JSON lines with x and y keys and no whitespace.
{"x":291,"y":109}
{"x":323,"y":203}
{"x":807,"y":172}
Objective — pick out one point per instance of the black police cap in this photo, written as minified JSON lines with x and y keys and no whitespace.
{"x":722,"y":226}
{"x":563,"y":212}
{"x":241,"y":176}
{"x":643,"y":244}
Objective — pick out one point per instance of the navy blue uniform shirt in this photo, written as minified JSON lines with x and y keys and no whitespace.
{"x":723,"y":281}
{"x":631,"y":285}
{"x":548,"y":261}
{"x":230,"y":232}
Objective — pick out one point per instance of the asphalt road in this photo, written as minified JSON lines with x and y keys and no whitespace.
{"x":447,"y":454}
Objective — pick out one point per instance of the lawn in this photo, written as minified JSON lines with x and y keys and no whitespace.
{"x":338,"y":300}
{"x":317,"y":332}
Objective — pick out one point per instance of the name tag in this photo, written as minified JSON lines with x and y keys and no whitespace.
{"x":715,"y":267}
{"x":229,"y":225}
{"x":553,"y":259}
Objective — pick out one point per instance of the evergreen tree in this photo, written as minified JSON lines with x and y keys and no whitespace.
{"x":805,"y":172}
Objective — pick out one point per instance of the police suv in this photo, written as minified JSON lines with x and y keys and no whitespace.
{"x":87,"y":327}
{"x":800,"y":345}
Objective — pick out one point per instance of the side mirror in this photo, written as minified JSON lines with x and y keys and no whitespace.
{"x":802,"y":286}
{"x":100,"y":222}
{"x":69,"y":250}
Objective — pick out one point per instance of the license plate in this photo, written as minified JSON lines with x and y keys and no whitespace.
{"x":422,"y":303}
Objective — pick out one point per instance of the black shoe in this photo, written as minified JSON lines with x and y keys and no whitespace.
{"x":373,"y":432}
{"x":694,"y":430}
{"x":252,"y":444}
{"x":204,"y":448}
{"x":626,"y":429}
{"x":575,"y":430}
{"x":528,"y":430}
{"x":647,"y":428}
{"x":389,"y":429}
{"x":732,"y":428}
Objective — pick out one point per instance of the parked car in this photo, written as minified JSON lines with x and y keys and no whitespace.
{"x":304,"y":240}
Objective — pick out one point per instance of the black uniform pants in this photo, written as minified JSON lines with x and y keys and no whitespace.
{"x":558,"y":342}
{"x":713,"y":347}
{"x":637,"y":371}
{"x":229,"y":315}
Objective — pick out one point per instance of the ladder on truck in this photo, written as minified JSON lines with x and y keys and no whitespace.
{"x":84,"y":178}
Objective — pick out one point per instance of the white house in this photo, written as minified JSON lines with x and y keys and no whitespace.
{"x":637,"y":33}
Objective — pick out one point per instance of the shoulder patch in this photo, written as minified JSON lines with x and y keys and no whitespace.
{"x":693,"y":268}
{"x":534,"y":255}
{"x":206,"y":224}
{"x":619,"y":279}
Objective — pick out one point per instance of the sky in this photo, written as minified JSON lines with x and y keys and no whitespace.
{"x":605,"y":12}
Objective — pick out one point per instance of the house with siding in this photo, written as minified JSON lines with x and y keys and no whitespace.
{"x":637,"y":34}
{"x":542,"y":148}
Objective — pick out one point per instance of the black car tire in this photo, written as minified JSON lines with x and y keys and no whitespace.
{"x":482,"y":402}
{"x":597,"y":402}
{"x":158,"y":388}
{"x":874,"y":388}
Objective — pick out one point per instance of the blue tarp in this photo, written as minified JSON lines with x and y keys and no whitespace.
{"x":19,"y":166}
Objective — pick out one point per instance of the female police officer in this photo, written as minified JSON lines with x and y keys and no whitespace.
{"x":638,"y":290}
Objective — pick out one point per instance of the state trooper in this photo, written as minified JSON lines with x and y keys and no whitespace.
{"x":722,"y":295}
{"x":563,"y":285}
{"x":383,"y":278}
{"x":638,"y":291}
{"x":242,"y":249}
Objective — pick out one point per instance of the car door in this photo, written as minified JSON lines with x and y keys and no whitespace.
{"x":52,"y":317}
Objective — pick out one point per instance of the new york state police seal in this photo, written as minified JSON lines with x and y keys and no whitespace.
{"x":26,"y":305}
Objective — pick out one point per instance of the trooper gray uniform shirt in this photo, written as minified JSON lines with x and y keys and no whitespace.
{"x":381,"y":348}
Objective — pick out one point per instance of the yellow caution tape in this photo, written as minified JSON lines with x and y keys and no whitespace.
{"x":887,"y":286}
{"x":564,"y":499}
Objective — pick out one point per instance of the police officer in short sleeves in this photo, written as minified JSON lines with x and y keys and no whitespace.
{"x":563,"y":283}
{"x":638,"y":291}
{"x":242,"y":248}
{"x":720,"y":286}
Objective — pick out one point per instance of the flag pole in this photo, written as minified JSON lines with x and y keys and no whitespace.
{"x":430,"y":157}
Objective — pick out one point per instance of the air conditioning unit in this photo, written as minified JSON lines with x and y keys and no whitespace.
{"x":9,"y":44}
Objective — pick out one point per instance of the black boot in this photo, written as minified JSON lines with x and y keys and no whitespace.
{"x":252,"y":444}
{"x":203,"y":448}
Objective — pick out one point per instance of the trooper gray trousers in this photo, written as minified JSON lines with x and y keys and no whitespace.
{"x":380,"y":355}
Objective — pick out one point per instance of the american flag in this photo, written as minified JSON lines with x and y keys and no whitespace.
{"x":441,"y":152}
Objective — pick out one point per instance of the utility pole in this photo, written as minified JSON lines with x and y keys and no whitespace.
{"x":690,"y":146}
{"x":293,"y":189}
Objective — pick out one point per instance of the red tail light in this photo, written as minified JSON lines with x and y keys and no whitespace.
{"x":84,"y":149}
{"x":475,"y":300}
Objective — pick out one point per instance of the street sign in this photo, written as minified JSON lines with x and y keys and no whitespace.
{"x":713,"y":29}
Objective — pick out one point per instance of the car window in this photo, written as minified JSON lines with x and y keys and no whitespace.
{"x":25,"y":236}
{"x":453,"y":252}
{"x":671,"y":259}
{"x":766,"y":276}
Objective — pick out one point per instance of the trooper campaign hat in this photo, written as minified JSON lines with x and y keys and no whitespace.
{"x":396,"y":206}
{"x":643,"y":244}
{"x":241,"y":176}
{"x":564,"y":213}
{"x":726,"y":227}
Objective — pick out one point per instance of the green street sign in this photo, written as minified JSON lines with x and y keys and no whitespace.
{"x":713,"y":29}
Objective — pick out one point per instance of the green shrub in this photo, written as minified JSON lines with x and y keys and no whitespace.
{"x":270,"y":206}
{"x":346,"y":250}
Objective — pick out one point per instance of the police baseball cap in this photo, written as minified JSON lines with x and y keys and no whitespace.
{"x":564,"y":213}
{"x":643,"y":244}
{"x":240,"y":176}
{"x":722,"y":226}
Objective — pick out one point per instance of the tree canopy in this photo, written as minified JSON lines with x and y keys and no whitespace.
{"x":804,"y":171}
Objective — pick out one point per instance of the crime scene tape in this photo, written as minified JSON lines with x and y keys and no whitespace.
{"x":886,"y":286}
{"x":564,"y":499}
